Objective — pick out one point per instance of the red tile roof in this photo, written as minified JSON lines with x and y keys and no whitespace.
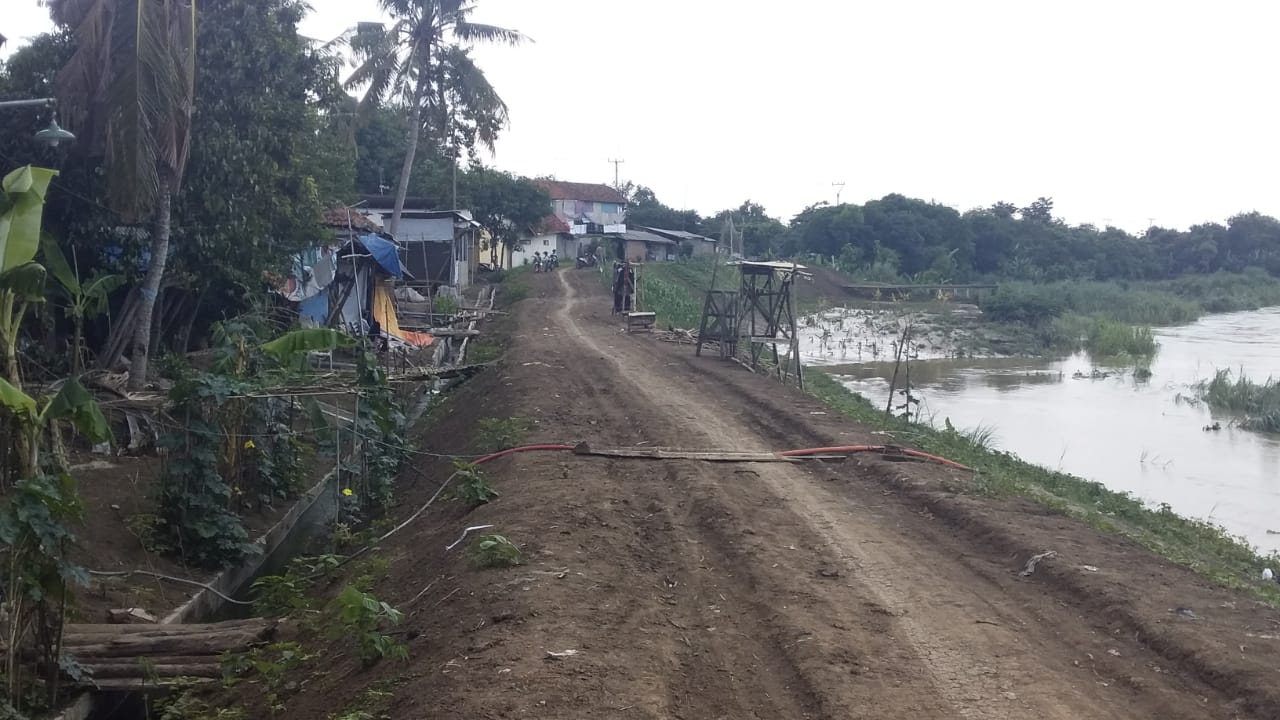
{"x":551,"y":224}
{"x":337,"y":217}
{"x":586,"y":192}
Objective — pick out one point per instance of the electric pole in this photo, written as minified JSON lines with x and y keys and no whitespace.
{"x":838,"y":186}
{"x":616,"y":163}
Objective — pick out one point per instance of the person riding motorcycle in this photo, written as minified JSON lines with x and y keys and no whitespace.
{"x":537,"y":262}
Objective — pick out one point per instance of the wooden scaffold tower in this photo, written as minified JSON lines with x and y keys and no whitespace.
{"x":763,"y":311}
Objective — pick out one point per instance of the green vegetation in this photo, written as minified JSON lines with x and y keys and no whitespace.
{"x":492,"y":551}
{"x":1257,"y":403}
{"x":1199,"y":545}
{"x":514,"y":287}
{"x":1110,"y":339}
{"x":362,"y":616}
{"x":494,"y":434}
{"x":676,"y":290}
{"x":472,"y":487}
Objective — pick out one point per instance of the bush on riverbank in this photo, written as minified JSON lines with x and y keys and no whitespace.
{"x":1111,"y":339}
{"x":1198,"y":545}
{"x":1166,"y":302}
{"x":1259,"y":403}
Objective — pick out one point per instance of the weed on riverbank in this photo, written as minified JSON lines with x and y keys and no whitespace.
{"x":1258,"y":403}
{"x":1201,"y":546}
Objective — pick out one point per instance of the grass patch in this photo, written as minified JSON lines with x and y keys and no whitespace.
{"x":1165,"y":302}
{"x":1198,"y":545}
{"x":1258,"y":403}
{"x":494,"y":434}
{"x":483,"y":351}
{"x":676,"y":290}
{"x":513,"y":287}
{"x":1108,"y":338}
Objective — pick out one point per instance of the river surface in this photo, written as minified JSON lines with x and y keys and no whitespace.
{"x":1132,"y":436}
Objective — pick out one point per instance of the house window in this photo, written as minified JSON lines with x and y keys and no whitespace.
{"x":545,"y":242}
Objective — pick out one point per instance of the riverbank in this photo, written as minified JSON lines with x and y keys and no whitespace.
{"x":1110,"y":320}
{"x":1201,"y":546}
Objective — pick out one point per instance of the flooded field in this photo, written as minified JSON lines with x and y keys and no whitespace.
{"x":1102,"y":423}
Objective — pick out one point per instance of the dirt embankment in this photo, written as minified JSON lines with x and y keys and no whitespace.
{"x":696,"y":590}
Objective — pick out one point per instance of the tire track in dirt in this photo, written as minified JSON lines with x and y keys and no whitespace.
{"x":915,"y":596}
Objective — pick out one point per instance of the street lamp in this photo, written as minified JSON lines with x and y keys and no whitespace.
{"x":51,"y":135}
{"x":54,"y":134}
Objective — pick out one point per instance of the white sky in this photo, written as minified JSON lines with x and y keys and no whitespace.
{"x":1119,"y":110}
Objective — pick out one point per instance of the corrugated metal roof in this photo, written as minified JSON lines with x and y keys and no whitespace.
{"x":646,"y":237}
{"x":587,"y":192}
{"x":678,"y":234}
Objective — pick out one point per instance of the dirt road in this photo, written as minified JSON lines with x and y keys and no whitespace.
{"x":857,"y":589}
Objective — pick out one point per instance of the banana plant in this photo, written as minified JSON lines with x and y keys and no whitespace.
{"x":22,"y":195}
{"x":72,"y":403}
{"x":84,"y":300}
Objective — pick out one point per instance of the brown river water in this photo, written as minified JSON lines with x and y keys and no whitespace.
{"x":1131,"y":435}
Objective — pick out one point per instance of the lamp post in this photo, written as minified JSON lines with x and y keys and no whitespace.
{"x":52,"y":135}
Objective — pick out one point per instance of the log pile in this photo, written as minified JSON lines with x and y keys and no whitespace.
{"x":130,"y":657}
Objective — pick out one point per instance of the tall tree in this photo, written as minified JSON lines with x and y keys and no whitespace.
{"x":413,"y":62}
{"x":129,"y":89}
{"x":504,"y":204}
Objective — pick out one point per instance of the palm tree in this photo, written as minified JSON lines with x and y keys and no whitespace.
{"x":420,"y":60}
{"x":129,"y":89}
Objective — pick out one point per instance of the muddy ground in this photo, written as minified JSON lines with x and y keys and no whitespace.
{"x":697,"y":590}
{"x":836,"y":328}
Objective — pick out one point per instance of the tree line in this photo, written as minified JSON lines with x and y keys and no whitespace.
{"x":901,"y":238}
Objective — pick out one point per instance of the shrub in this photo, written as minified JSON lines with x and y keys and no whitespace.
{"x":1007,"y":305}
{"x":362,"y":616}
{"x":1107,"y":338}
{"x":495,"y":551}
{"x":472,"y":487}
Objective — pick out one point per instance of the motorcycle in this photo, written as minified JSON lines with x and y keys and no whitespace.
{"x":537,"y":264}
{"x":587,"y":261}
{"x":553,"y":263}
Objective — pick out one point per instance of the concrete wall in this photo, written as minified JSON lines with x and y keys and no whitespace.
{"x":702,"y":248}
{"x":565,"y":247}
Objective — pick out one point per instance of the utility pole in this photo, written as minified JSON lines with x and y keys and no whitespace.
{"x":616,"y":163}
{"x":838,"y":186}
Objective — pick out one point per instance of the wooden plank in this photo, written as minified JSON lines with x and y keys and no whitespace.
{"x":125,"y":646}
{"x":162,"y":685}
{"x":657,"y":453}
{"x":73,"y":629}
{"x":140,"y":670}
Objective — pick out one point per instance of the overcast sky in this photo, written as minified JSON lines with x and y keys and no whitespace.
{"x":1119,"y":111}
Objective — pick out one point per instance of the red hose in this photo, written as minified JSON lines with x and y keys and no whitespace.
{"x":525,"y":448}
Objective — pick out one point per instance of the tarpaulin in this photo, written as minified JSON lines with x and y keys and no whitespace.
{"x":385,"y":253}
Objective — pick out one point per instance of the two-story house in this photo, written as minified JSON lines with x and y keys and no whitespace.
{"x":580,"y":212}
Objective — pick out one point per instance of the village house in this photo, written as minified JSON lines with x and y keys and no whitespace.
{"x":699,"y":245}
{"x":580,"y":213}
{"x":440,"y":248}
